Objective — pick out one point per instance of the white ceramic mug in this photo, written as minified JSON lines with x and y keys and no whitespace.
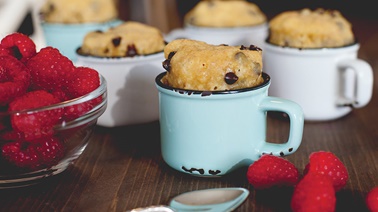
{"x":132,"y":95}
{"x":327,"y":82}
{"x":212,"y":133}
{"x":233,"y":36}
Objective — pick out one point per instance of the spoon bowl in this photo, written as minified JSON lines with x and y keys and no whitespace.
{"x":209,"y":200}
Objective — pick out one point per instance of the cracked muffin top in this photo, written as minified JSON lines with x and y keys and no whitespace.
{"x":125,"y":40}
{"x":216,"y":13}
{"x":78,"y":11}
{"x":196,"y":65}
{"x":310,"y":29}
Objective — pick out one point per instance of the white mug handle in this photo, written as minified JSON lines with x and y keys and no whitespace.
{"x":363,"y":82}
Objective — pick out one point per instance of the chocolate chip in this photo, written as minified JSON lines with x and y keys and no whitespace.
{"x":167,"y":64}
{"x":131,"y":51}
{"x":171,"y":55}
{"x":230,"y":78}
{"x":251,"y":47}
{"x":254,"y":48}
{"x":116,"y":41}
{"x":98,"y":31}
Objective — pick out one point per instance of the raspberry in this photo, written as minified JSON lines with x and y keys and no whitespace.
{"x":50,"y":70}
{"x":21,"y":154}
{"x":372,"y":199}
{"x":315,"y":192}
{"x":4,"y":51}
{"x":20,"y":46}
{"x":83,"y":81}
{"x":39,"y":123}
{"x":50,"y":150}
{"x":14,"y":79}
{"x":269,"y":171}
{"x":328,"y":164}
{"x":35,"y":154}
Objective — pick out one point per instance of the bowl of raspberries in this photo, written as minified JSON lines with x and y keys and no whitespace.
{"x":48,"y":110}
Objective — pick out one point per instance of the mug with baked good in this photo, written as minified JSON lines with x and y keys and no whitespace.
{"x":129,"y":56}
{"x":313,"y":57}
{"x":213,"y":103}
{"x":65,"y":22}
{"x":232,"y":22}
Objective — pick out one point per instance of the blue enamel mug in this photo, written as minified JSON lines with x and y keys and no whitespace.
{"x":212,"y":133}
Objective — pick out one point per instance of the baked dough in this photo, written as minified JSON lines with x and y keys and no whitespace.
{"x":236,"y":13}
{"x":310,"y":29}
{"x":125,"y":40}
{"x":79,"y":11}
{"x":196,"y":65}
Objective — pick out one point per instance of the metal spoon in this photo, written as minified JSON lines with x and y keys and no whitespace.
{"x":215,"y":199}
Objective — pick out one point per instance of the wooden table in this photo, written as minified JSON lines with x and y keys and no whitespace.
{"x":122,"y":167}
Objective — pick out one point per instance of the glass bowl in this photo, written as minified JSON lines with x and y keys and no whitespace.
{"x":26,"y":160}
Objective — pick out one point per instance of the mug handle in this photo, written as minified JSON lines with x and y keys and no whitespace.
{"x":363,"y":83}
{"x":295,"y":113}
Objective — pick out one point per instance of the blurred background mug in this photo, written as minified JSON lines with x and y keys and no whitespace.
{"x":326,"y":82}
{"x":233,"y":36}
{"x":210,"y":134}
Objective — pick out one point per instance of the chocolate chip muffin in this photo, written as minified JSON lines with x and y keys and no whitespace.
{"x":235,"y":13}
{"x":125,"y":40}
{"x":196,"y":65}
{"x":310,"y":29}
{"x":79,"y":11}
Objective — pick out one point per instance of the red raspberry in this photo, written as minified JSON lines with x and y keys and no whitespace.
{"x":83,"y":81}
{"x":14,"y":79}
{"x":20,"y":46}
{"x":269,"y":171}
{"x":328,"y":164}
{"x":4,"y":51}
{"x":50,"y":70}
{"x":50,"y":150}
{"x":35,"y":154}
{"x":21,"y":154}
{"x":372,"y":199}
{"x":39,"y":123}
{"x":315,"y":192}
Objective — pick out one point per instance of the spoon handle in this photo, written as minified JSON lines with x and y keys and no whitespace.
{"x":154,"y":208}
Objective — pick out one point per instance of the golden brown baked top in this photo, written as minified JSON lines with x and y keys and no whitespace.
{"x":310,"y":29}
{"x":196,"y":65}
{"x":235,"y":13}
{"x":125,"y":40}
{"x":79,"y":11}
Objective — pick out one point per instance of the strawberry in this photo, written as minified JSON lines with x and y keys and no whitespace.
{"x":39,"y":123}
{"x":315,"y":192}
{"x":19,"y":46}
{"x":14,"y":79}
{"x":50,"y":70}
{"x":372,"y":199}
{"x":269,"y":171}
{"x":328,"y":164}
